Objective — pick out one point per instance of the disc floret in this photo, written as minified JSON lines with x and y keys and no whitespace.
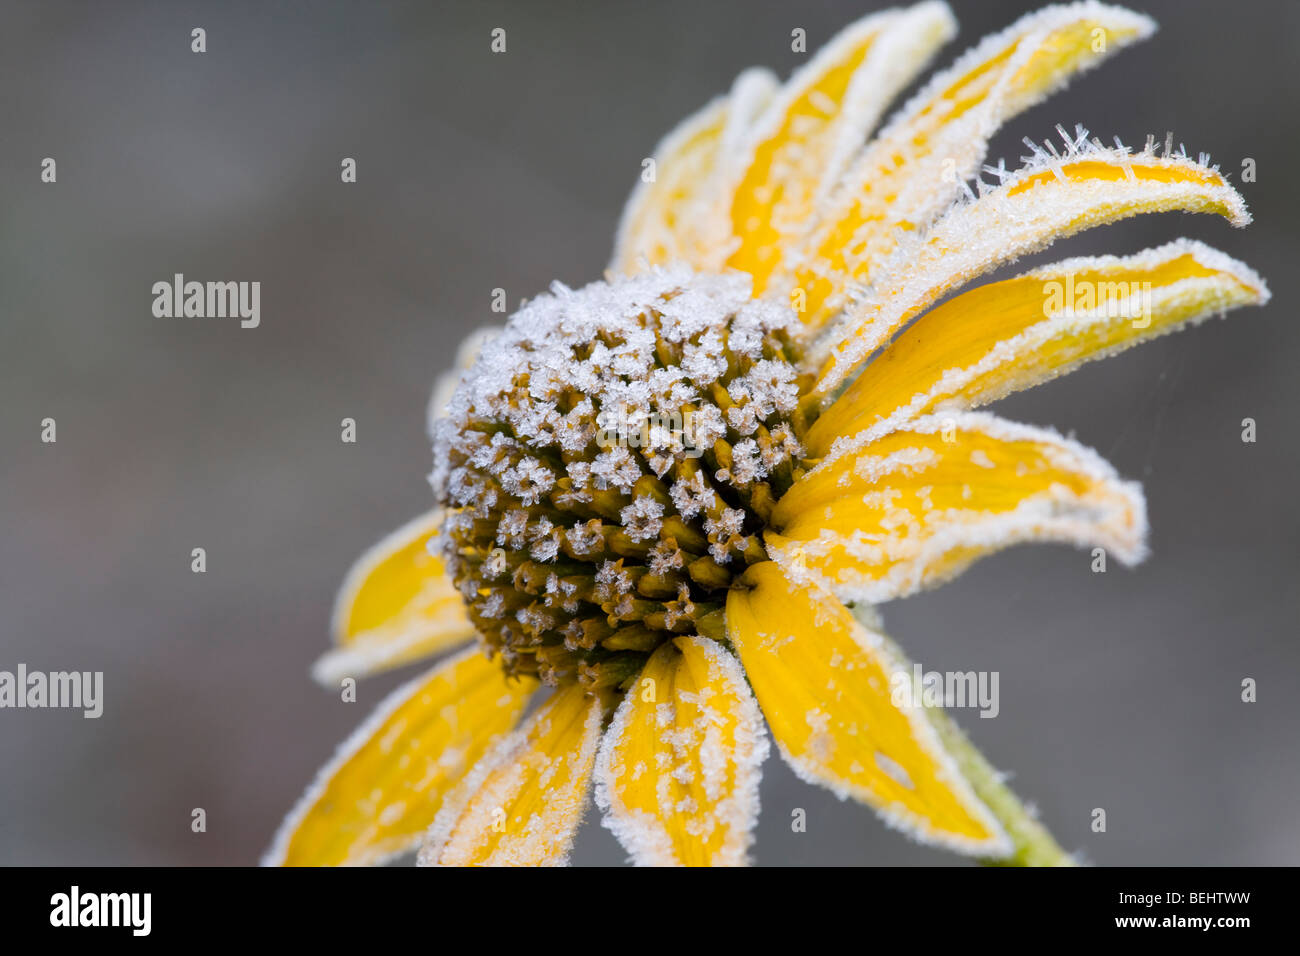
{"x":608,"y":464}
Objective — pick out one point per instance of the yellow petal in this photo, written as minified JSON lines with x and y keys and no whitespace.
{"x":884,"y":518}
{"x":677,"y":773}
{"x":522,"y":803}
{"x":822,"y":115}
{"x":677,"y":212}
{"x":1050,"y":198}
{"x":380,"y":792}
{"x":824,"y":683}
{"x":1003,"y":337}
{"x":396,"y":605}
{"x":915,"y":169}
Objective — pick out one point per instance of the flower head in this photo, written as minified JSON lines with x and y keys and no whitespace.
{"x":658,"y":496}
{"x":624,"y":536}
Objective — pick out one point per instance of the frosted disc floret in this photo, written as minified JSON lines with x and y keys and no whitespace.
{"x":608,"y":463}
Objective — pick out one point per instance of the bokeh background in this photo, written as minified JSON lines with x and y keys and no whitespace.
{"x":476,"y":171}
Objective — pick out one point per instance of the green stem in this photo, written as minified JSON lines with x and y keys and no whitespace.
{"x":1034,"y":845}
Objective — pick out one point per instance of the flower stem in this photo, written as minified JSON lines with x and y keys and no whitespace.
{"x":1033,"y":844}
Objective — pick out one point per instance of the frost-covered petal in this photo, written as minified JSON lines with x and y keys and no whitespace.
{"x":677,"y":773}
{"x":381,"y":790}
{"x":1052,"y":197}
{"x":679,"y":213}
{"x":818,"y":121}
{"x":1010,"y":335}
{"x":396,"y":605}
{"x":920,"y":161}
{"x":466,"y":355}
{"x":522,"y":803}
{"x":881,"y":519}
{"x":824,"y":684}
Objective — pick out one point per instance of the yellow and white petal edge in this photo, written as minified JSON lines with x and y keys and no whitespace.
{"x":677,"y":211}
{"x":824,"y":683}
{"x":818,"y":122}
{"x":884,"y":518}
{"x":678,"y":770}
{"x":917,"y":166}
{"x":522,"y":803}
{"x":377,"y":796}
{"x":1054,"y":196}
{"x":1007,"y":336}
{"x":396,"y":605}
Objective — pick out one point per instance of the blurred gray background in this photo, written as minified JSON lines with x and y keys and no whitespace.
{"x":1118,"y":690}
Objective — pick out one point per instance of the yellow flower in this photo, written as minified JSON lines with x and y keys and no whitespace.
{"x":659,"y":495}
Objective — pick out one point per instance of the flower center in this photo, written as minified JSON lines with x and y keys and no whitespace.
{"x":608,"y":464}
